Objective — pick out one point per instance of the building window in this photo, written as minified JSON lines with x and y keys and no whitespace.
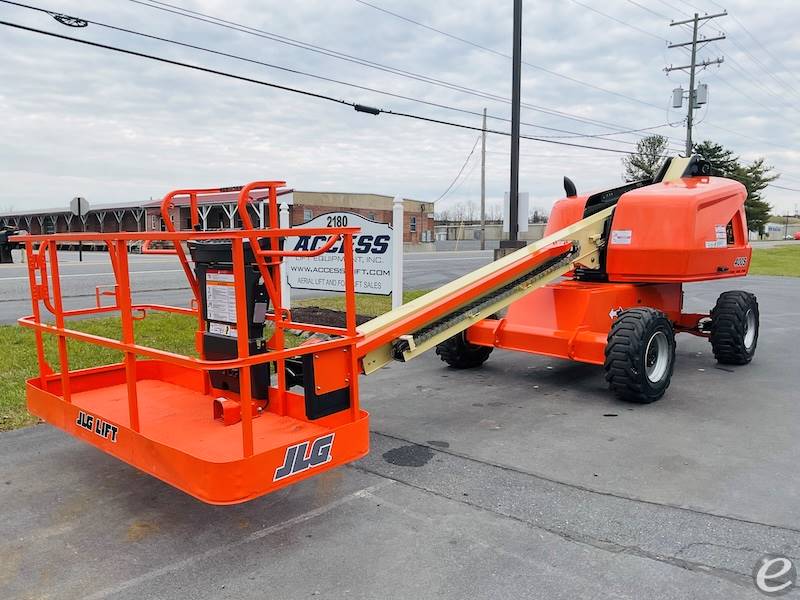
{"x":308,"y":214}
{"x":371,"y":216}
{"x":412,"y":227}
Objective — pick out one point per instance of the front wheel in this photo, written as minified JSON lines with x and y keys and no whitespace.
{"x":640,"y":355}
{"x":461,"y":354}
{"x":734,"y":328}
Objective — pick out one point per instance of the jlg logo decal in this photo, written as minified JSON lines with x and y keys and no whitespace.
{"x":298,"y":458}
{"x":97,"y":425}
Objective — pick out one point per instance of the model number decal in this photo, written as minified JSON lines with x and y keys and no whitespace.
{"x":299,"y":458}
{"x":97,"y":425}
{"x":740,"y":261}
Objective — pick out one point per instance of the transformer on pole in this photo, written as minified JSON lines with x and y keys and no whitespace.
{"x":696,"y":95}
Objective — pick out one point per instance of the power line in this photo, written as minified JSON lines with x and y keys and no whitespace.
{"x":503,"y":54}
{"x":781,"y":187}
{"x":460,"y":171}
{"x":749,"y":137}
{"x":765,"y":69}
{"x":650,"y":10}
{"x":206,"y":18}
{"x":572,"y":134}
{"x":741,"y":70}
{"x":354,"y":105}
{"x":620,"y":21}
{"x":763,"y":47}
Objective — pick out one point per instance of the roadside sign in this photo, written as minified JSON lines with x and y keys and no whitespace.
{"x":372,"y":256}
{"x":79,"y":206}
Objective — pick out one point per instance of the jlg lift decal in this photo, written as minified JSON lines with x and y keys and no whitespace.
{"x":97,"y":425}
{"x":296,"y":460}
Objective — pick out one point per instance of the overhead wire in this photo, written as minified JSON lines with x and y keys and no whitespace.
{"x":504,"y":54}
{"x":197,"y":15}
{"x":620,"y":21}
{"x":460,"y":171}
{"x":571,"y":134}
{"x":358,"y":107}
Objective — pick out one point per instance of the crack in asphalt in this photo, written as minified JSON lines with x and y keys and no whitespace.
{"x":581,"y":488}
{"x":738,"y":577}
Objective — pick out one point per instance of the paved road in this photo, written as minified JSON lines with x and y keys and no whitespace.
{"x":523,"y":479}
{"x":160,"y":279}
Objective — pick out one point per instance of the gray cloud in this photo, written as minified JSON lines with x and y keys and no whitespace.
{"x":79,"y":120}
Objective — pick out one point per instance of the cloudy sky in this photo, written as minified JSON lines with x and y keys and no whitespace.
{"x":78,"y":120}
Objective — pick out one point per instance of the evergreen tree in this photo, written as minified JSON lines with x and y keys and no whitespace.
{"x":755,"y":177}
{"x":643,"y":164}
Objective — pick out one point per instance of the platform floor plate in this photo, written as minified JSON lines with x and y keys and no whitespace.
{"x":182,"y":418}
{"x":179,"y":441}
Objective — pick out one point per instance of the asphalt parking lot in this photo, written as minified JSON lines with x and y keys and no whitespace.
{"x":523,"y":479}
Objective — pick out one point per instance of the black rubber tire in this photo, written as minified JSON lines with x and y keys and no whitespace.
{"x":729,"y":328}
{"x":629,"y":342}
{"x":460,"y":354}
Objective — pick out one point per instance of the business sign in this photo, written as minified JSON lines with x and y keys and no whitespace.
{"x":372,"y":256}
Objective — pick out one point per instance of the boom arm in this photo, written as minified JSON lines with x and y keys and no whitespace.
{"x":409,"y":330}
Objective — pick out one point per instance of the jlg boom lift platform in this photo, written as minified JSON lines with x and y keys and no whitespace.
{"x":250,"y":415}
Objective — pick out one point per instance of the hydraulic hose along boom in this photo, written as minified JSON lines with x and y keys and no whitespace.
{"x":411,"y":329}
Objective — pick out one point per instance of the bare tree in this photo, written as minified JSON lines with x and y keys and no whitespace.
{"x":470,"y":212}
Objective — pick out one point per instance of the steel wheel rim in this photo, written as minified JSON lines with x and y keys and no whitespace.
{"x":656,"y":357}
{"x":749,"y":329}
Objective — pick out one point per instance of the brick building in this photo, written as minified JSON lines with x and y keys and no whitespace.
{"x":219,"y":211}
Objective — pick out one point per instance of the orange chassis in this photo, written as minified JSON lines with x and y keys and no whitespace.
{"x":571,"y":319}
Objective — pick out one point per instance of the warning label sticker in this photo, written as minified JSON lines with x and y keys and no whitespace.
{"x":222,"y":329}
{"x":220,"y":296}
{"x":721,"y":236}
{"x":621,"y":236}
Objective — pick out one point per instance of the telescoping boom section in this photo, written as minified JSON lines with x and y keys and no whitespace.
{"x":408,"y":331}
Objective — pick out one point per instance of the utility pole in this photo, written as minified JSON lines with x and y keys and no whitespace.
{"x":512,"y":243}
{"x":695,"y":101}
{"x":483,"y":183}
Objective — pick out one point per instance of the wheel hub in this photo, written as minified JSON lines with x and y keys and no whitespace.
{"x":749,"y":329}
{"x":656,"y":357}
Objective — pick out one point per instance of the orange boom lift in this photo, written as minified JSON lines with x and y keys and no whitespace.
{"x":250,"y":415}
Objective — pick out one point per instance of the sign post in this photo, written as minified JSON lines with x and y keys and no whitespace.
{"x":283,"y":223}
{"x":397,"y":252}
{"x":79,"y":206}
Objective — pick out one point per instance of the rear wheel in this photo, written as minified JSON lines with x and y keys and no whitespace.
{"x":461,"y":354}
{"x":734,"y":328}
{"x":640,"y":355}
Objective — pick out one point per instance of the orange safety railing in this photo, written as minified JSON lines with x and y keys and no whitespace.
{"x":45,"y":283}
